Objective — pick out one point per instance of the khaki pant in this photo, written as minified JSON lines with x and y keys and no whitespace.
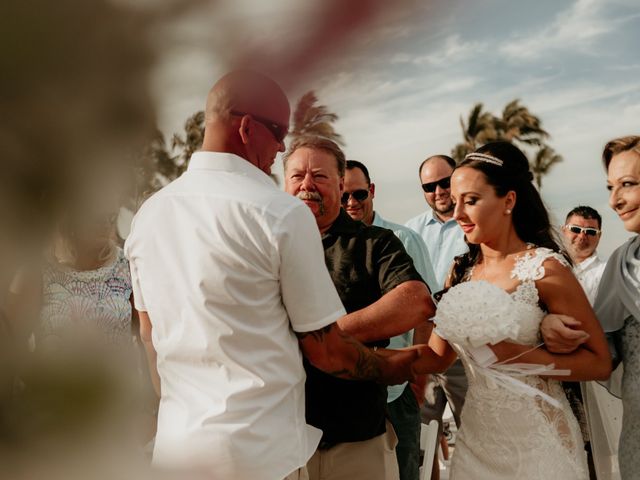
{"x":373,"y":459}
{"x":300,"y":474}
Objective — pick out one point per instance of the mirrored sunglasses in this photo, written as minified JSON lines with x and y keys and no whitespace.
{"x":442,"y":183}
{"x":358,"y":195}
{"x":592,"y":232}
{"x":278,"y":131}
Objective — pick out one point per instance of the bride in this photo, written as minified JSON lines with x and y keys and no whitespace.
{"x":516,"y":421}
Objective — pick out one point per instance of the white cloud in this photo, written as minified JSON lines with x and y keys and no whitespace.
{"x":574,"y":29}
{"x":392,"y":146}
{"x":400,"y":88}
{"x":624,"y":68}
{"x":386,"y":94}
{"x":571,"y":96}
{"x":452,"y":50}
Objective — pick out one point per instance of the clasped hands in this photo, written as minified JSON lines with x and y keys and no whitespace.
{"x":561,"y":335}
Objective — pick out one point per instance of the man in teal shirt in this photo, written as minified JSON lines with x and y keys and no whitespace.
{"x":402,"y":401}
{"x":438,"y":229}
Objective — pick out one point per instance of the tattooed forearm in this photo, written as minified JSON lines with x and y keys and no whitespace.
{"x":366,"y":364}
{"x":318,"y":335}
{"x":337,"y":353}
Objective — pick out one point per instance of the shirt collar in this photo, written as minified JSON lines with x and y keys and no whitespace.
{"x":430,"y":218}
{"x":343,"y":224}
{"x":226,"y":162}
{"x":587,"y":262}
{"x":377,"y":221}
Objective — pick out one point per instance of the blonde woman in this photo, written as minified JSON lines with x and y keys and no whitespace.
{"x":618,"y":301}
{"x":75,"y":307}
{"x":80,"y":289}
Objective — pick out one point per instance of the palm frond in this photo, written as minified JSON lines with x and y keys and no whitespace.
{"x":460,"y":151}
{"x":312,"y":119}
{"x":544,"y":159}
{"x":517,"y":124}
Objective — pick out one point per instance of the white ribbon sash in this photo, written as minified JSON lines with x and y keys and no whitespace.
{"x":507,"y":375}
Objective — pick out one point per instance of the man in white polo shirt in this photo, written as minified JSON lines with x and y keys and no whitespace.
{"x":226,"y":271}
{"x":581,"y":234}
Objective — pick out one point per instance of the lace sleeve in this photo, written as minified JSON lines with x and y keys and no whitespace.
{"x":530,"y":265}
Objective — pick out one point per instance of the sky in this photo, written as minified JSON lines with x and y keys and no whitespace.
{"x":401,"y":74}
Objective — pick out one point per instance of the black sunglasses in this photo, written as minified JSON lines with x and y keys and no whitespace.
{"x":358,"y":195}
{"x":278,"y":131}
{"x":592,"y":232}
{"x":442,"y":183}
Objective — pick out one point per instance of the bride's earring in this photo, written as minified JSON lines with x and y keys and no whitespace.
{"x":508,"y":211}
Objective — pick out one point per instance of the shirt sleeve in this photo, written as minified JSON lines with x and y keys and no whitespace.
{"x":138,"y":299}
{"x":418,"y":252}
{"x":394,"y":264}
{"x":307,"y":290}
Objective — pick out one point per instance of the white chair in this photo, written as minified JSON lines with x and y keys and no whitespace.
{"x":428,"y":442}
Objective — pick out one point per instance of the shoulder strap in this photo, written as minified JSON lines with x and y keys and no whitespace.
{"x":529,"y":265}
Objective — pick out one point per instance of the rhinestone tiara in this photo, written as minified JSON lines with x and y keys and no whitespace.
{"x":483,"y":157}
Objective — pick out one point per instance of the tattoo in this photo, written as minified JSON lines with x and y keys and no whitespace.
{"x":318,"y":335}
{"x":366,"y":365}
{"x":363,"y":363}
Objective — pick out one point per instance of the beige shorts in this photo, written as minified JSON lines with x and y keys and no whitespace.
{"x":300,"y":474}
{"x":373,"y":459}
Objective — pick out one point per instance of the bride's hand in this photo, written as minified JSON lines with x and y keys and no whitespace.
{"x":561,"y":333}
{"x":397,"y":366}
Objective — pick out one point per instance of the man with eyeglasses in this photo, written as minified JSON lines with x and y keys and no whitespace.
{"x":380,"y":287}
{"x":404,"y":400}
{"x":437,"y":227}
{"x":581,"y":234}
{"x":231,"y":287}
{"x":445,"y":240}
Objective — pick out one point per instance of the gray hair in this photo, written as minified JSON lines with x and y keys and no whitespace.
{"x":318,"y":143}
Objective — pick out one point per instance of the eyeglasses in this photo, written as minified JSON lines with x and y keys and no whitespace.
{"x":358,"y":195}
{"x":278,"y":131}
{"x":592,"y":232}
{"x":443,"y":183}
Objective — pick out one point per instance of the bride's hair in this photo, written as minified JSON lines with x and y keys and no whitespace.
{"x":506,"y":168}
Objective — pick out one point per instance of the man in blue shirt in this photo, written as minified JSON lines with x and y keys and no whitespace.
{"x":403,"y":406}
{"x":437,"y":227}
{"x":445,"y":240}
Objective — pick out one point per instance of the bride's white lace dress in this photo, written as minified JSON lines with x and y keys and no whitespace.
{"x":515,"y":424}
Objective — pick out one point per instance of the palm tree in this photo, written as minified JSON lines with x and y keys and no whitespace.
{"x":189,"y":142}
{"x":518,"y":124}
{"x":544,"y":159}
{"x":460,"y":151}
{"x":479,"y":129}
{"x":158,"y":165}
{"x":152,"y":170}
{"x":312,"y":119}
